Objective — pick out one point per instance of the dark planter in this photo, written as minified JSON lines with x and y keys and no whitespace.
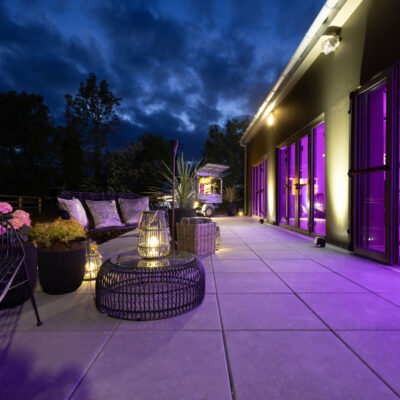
{"x":61,"y":271}
{"x":231,"y":209}
{"x":20,"y":294}
{"x":179,"y":214}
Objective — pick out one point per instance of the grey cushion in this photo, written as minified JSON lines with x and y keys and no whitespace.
{"x":104,"y":213}
{"x":75,"y":209}
{"x":131,"y":209}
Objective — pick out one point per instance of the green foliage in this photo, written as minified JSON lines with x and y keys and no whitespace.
{"x":185,"y":178}
{"x":26,"y":151}
{"x":230,"y":194}
{"x":222,"y":147}
{"x":92,"y":113}
{"x":64,"y":231}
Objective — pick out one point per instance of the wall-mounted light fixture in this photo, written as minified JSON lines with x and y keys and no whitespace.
{"x":332,"y":39}
{"x":270,"y":119}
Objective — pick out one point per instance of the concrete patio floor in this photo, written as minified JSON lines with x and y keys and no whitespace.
{"x":280,"y":320}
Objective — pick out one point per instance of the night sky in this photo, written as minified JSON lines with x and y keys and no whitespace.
{"x":178,"y":65}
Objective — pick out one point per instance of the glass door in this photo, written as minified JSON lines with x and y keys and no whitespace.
{"x":371,"y":175}
{"x":304,"y":202}
{"x":291,"y":185}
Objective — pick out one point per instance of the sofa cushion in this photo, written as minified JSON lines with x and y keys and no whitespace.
{"x":104,"y":213}
{"x":75,"y":209}
{"x":131,"y":209}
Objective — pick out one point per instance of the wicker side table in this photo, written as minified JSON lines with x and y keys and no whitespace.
{"x":129,"y":287}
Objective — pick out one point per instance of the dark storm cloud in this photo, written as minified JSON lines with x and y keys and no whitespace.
{"x":178,"y":66}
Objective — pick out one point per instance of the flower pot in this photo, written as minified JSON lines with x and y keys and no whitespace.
{"x":231,"y":209}
{"x":20,"y":294}
{"x":61,"y":271}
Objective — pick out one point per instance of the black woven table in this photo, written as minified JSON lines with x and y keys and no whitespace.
{"x":129,"y":287}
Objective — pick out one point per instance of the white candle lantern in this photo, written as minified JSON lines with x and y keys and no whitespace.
{"x":153,"y":235}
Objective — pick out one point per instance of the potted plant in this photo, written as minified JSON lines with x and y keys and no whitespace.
{"x":230,"y":195}
{"x":61,"y":255}
{"x":185,"y":193}
{"x":21,"y":222}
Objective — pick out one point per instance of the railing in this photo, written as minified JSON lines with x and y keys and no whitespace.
{"x":31,"y":204}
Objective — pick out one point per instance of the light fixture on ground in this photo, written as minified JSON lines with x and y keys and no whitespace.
{"x":93,"y":261}
{"x":153,"y":235}
{"x":331,"y":40}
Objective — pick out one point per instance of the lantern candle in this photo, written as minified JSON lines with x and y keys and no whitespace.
{"x":153,"y":235}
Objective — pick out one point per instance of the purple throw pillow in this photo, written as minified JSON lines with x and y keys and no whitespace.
{"x":131,"y":209}
{"x":104,"y":213}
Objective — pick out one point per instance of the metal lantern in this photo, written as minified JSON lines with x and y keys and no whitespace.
{"x":153,"y":235}
{"x":218,"y":239}
{"x":93,"y":261}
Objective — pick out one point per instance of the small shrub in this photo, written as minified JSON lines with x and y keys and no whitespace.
{"x":230,"y":194}
{"x":59,"y":231}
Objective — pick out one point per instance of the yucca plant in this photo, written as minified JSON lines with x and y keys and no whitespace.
{"x":184,"y":182}
{"x":230,"y":194}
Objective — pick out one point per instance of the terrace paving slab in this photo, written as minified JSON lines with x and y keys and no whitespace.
{"x":240,"y":266}
{"x":354,"y":311}
{"x":252,"y":282}
{"x":381,"y":350}
{"x":267,"y":311}
{"x":296,"y":266}
{"x":159,"y":365}
{"x":319,"y":282}
{"x":299,"y":366}
{"x":46,"y":365}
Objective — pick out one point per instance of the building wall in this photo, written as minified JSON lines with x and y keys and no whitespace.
{"x":369,"y":45}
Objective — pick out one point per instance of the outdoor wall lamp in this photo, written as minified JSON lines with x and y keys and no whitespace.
{"x":332,"y":41}
{"x":270,"y":119}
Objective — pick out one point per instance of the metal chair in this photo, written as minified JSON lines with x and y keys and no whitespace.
{"x":12,"y":258}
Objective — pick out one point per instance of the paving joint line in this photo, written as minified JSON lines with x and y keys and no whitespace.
{"x":92,"y":362}
{"x":228,"y":363}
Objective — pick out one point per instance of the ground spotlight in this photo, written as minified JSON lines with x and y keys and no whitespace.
{"x":319,"y":242}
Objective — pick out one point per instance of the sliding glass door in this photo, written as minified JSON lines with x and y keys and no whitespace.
{"x":301,"y":182}
{"x":371,"y":174}
{"x":259,"y":190}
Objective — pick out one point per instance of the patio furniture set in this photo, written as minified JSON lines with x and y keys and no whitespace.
{"x":160,"y":279}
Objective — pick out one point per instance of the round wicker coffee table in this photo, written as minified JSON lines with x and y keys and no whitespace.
{"x":130,"y":287}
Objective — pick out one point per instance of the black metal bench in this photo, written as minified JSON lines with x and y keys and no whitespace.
{"x":12,"y":259}
{"x":97,"y":196}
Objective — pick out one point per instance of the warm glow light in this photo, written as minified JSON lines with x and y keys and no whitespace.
{"x":270,"y":119}
{"x":240,"y":214}
{"x":196,"y":204}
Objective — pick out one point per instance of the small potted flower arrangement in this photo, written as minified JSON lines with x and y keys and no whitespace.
{"x":21,"y":222}
{"x":61,"y":255}
{"x":231,"y":197}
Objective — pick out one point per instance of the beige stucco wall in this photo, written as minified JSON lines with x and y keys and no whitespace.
{"x":369,"y":45}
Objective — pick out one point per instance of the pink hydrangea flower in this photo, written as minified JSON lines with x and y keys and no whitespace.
{"x":5,"y":208}
{"x":20,"y":218}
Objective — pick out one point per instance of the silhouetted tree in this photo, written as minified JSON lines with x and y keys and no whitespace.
{"x":137,"y":167}
{"x":26,"y":151}
{"x":222,"y":147}
{"x":92,"y":112}
{"x":70,"y":159}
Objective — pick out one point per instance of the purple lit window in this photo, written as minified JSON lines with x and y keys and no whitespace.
{"x":282,"y":158}
{"x":371,"y":153}
{"x":319,"y":225}
{"x":292,"y":184}
{"x":303,"y":183}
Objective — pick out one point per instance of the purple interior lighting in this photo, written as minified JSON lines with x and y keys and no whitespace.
{"x":372,"y":153}
{"x":303,"y":181}
{"x":282,"y":155}
{"x":292,"y":184}
{"x":319,"y":225}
